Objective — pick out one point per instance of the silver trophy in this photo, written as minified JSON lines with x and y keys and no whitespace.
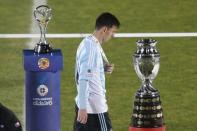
{"x":43,"y":14}
{"x":147,"y":112}
{"x":146,"y":64}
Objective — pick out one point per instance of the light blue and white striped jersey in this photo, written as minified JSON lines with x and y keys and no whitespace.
{"x":90,"y":68}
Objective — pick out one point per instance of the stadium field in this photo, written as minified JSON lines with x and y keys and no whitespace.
{"x":177,"y":77}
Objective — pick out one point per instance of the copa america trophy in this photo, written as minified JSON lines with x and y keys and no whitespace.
{"x":147,"y":112}
{"x":42,"y":14}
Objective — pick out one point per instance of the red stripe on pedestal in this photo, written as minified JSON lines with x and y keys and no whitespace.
{"x":147,"y":129}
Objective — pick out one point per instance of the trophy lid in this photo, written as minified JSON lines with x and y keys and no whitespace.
{"x":146,"y":47}
{"x":146,"y":41}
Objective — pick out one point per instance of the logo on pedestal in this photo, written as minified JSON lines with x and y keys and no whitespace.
{"x":44,"y":100}
{"x":42,"y":90}
{"x":43,"y":63}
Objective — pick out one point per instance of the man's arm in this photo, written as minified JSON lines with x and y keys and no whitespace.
{"x":86,"y":68}
{"x":83,"y":96}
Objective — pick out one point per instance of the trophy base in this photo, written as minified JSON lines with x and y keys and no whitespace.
{"x":147,"y":129}
{"x":42,"y":48}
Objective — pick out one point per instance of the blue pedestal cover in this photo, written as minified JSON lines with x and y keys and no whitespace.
{"x":42,"y":90}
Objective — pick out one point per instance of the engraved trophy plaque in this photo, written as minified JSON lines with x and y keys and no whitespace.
{"x":42,"y":14}
{"x":147,"y":112}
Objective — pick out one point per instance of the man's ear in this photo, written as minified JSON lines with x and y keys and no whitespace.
{"x":104,"y":29}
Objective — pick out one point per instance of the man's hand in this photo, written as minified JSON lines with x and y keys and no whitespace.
{"x":109,"y":68}
{"x":82,"y":116}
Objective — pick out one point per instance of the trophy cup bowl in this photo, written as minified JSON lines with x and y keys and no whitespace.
{"x":43,"y":15}
{"x":146,"y":68}
{"x":147,"y":112}
{"x":146,"y":63}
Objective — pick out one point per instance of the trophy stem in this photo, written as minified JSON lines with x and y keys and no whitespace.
{"x":43,"y":46}
{"x":42,"y":35}
{"x":147,"y":87}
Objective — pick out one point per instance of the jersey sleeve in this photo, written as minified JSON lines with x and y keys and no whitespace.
{"x":87,"y":61}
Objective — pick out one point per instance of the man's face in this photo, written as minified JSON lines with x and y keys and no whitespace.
{"x":109,"y":33}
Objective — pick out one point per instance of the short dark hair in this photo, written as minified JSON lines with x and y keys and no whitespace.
{"x":106,"y":19}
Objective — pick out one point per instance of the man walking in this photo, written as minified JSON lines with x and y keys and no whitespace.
{"x":91,"y":64}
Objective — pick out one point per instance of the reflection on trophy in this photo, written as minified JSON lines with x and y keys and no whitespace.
{"x":147,"y":113}
{"x":42,"y":14}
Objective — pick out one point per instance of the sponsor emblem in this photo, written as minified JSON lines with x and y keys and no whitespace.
{"x":43,"y":63}
{"x":89,"y":71}
{"x":42,"y":90}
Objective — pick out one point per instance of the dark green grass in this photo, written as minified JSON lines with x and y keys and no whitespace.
{"x":15,"y":16}
{"x":135,"y":16}
{"x":11,"y":77}
{"x":176,"y":80}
